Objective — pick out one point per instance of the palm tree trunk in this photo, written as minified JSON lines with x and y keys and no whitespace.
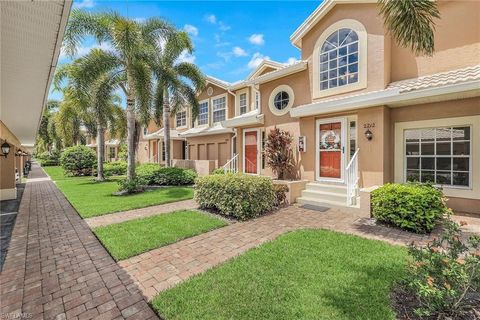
{"x":100,"y":152}
{"x":166,"y":128}
{"x":130,"y":129}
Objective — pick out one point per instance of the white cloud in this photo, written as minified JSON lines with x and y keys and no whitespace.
{"x":84,"y":4}
{"x":186,"y":57}
{"x":81,"y":51}
{"x":191,"y":29}
{"x":222,"y":26}
{"x":211,"y":18}
{"x":140,"y":19}
{"x":239,"y":52}
{"x":291,"y":60}
{"x":256,"y":59}
{"x":257,"y":39}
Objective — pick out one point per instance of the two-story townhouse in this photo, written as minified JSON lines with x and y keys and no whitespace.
{"x":112,"y":145}
{"x":364,"y":111}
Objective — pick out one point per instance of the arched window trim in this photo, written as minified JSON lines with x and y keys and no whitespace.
{"x":362,"y":59}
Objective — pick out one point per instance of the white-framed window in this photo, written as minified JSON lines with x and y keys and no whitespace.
{"x":440,"y":155}
{"x":219,"y":107}
{"x":203,"y":113}
{"x":339,"y":59}
{"x":181,"y":118}
{"x":281,"y":100}
{"x":243,"y":103}
{"x":257,"y":100}
{"x":112,"y":152}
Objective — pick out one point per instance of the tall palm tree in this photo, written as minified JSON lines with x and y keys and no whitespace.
{"x":411,"y":23}
{"x":90,"y":93}
{"x":130,"y":43}
{"x":177,"y":82}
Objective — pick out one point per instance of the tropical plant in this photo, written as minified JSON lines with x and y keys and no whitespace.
{"x":278,"y":152}
{"x":78,"y":160}
{"x":411,"y":23}
{"x":68,"y":122}
{"x":444,"y":276}
{"x":131,"y":43}
{"x":177,"y":82}
{"x":91,"y":96}
{"x":47,"y":138}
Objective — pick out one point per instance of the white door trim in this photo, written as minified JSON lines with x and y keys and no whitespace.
{"x":343,"y":121}
{"x":258,"y":149}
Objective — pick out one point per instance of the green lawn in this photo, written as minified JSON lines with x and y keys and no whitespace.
{"x":309,"y":274}
{"x":130,"y":238}
{"x":92,"y":198}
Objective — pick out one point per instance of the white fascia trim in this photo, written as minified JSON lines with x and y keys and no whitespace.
{"x":316,"y":16}
{"x":238,"y":85}
{"x":294,"y":68}
{"x":377,"y":98}
{"x":218,"y":82}
{"x":244,"y":121}
{"x":207,"y":133}
{"x":265,"y":63}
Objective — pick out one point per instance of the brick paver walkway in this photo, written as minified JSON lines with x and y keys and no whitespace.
{"x":56,"y":268}
{"x":118,"y":217}
{"x":162,"y":268}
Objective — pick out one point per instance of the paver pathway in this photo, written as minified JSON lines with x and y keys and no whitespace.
{"x":118,"y":217}
{"x":57,"y":269}
{"x":162,"y":268}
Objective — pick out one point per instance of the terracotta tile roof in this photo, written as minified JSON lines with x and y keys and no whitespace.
{"x":438,"y":79}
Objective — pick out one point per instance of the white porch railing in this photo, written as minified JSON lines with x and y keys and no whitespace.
{"x":231,"y":165}
{"x":351,"y":174}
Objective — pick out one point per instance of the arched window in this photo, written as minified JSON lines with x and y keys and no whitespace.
{"x":339,"y":58}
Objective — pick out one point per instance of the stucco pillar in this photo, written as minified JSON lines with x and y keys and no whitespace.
{"x":374,"y":162}
{"x":8,"y":189}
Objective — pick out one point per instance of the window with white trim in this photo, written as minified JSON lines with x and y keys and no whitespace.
{"x":203,"y":113}
{"x":243,"y":103}
{"x":339,"y":59}
{"x":182,"y":119}
{"x":440,"y":156}
{"x":219,"y":109}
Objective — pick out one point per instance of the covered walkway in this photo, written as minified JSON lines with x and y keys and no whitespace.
{"x":56,"y":268}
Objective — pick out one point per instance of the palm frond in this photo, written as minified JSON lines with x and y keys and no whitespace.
{"x":142,"y":78}
{"x":411,"y":23}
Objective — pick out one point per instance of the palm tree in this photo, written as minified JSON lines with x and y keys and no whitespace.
{"x":177,"y":82}
{"x":47,"y":134}
{"x":91,"y":95}
{"x":131,"y":41}
{"x":411,"y":23}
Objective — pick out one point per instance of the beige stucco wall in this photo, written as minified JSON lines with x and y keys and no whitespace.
{"x":457,"y":43}
{"x":218,"y":91}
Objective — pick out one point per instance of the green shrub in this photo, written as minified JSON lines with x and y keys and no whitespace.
{"x":280,"y":191}
{"x":78,"y":160}
{"x":153,"y":174}
{"x":444,"y":276}
{"x":218,"y":171}
{"x":131,"y":186}
{"x":49,"y":162}
{"x":235,"y":195}
{"x":411,"y":206}
{"x":115,"y":168}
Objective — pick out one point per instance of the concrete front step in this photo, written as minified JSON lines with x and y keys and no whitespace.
{"x":323,"y":195}
{"x":327,"y":187}
{"x":320,"y":202}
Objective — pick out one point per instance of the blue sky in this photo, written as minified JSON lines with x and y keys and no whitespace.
{"x":230,"y":37}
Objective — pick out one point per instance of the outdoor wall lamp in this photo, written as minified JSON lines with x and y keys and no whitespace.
{"x":5,"y":149}
{"x":368,"y":134}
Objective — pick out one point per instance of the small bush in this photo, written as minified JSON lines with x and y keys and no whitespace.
{"x":411,"y":206}
{"x":218,"y":171}
{"x":280,"y":191}
{"x":78,"y":160}
{"x":131,"y":186}
{"x":47,"y":159}
{"x":153,"y":174}
{"x":115,"y":168}
{"x":444,"y":276}
{"x":235,"y":195}
{"x":49,"y":162}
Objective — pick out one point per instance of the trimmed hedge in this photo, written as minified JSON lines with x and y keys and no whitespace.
{"x":153,"y":174}
{"x":46,"y":159}
{"x":78,"y":160}
{"x":410,"y":206}
{"x":115,"y":168}
{"x":235,"y":195}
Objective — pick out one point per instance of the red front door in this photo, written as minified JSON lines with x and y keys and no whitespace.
{"x":250,"y":158}
{"x":154,"y":151}
{"x":330,"y":150}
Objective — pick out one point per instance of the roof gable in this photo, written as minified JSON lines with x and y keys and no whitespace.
{"x":264,"y":65}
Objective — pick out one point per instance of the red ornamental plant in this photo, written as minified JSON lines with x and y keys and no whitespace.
{"x":278,"y":152}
